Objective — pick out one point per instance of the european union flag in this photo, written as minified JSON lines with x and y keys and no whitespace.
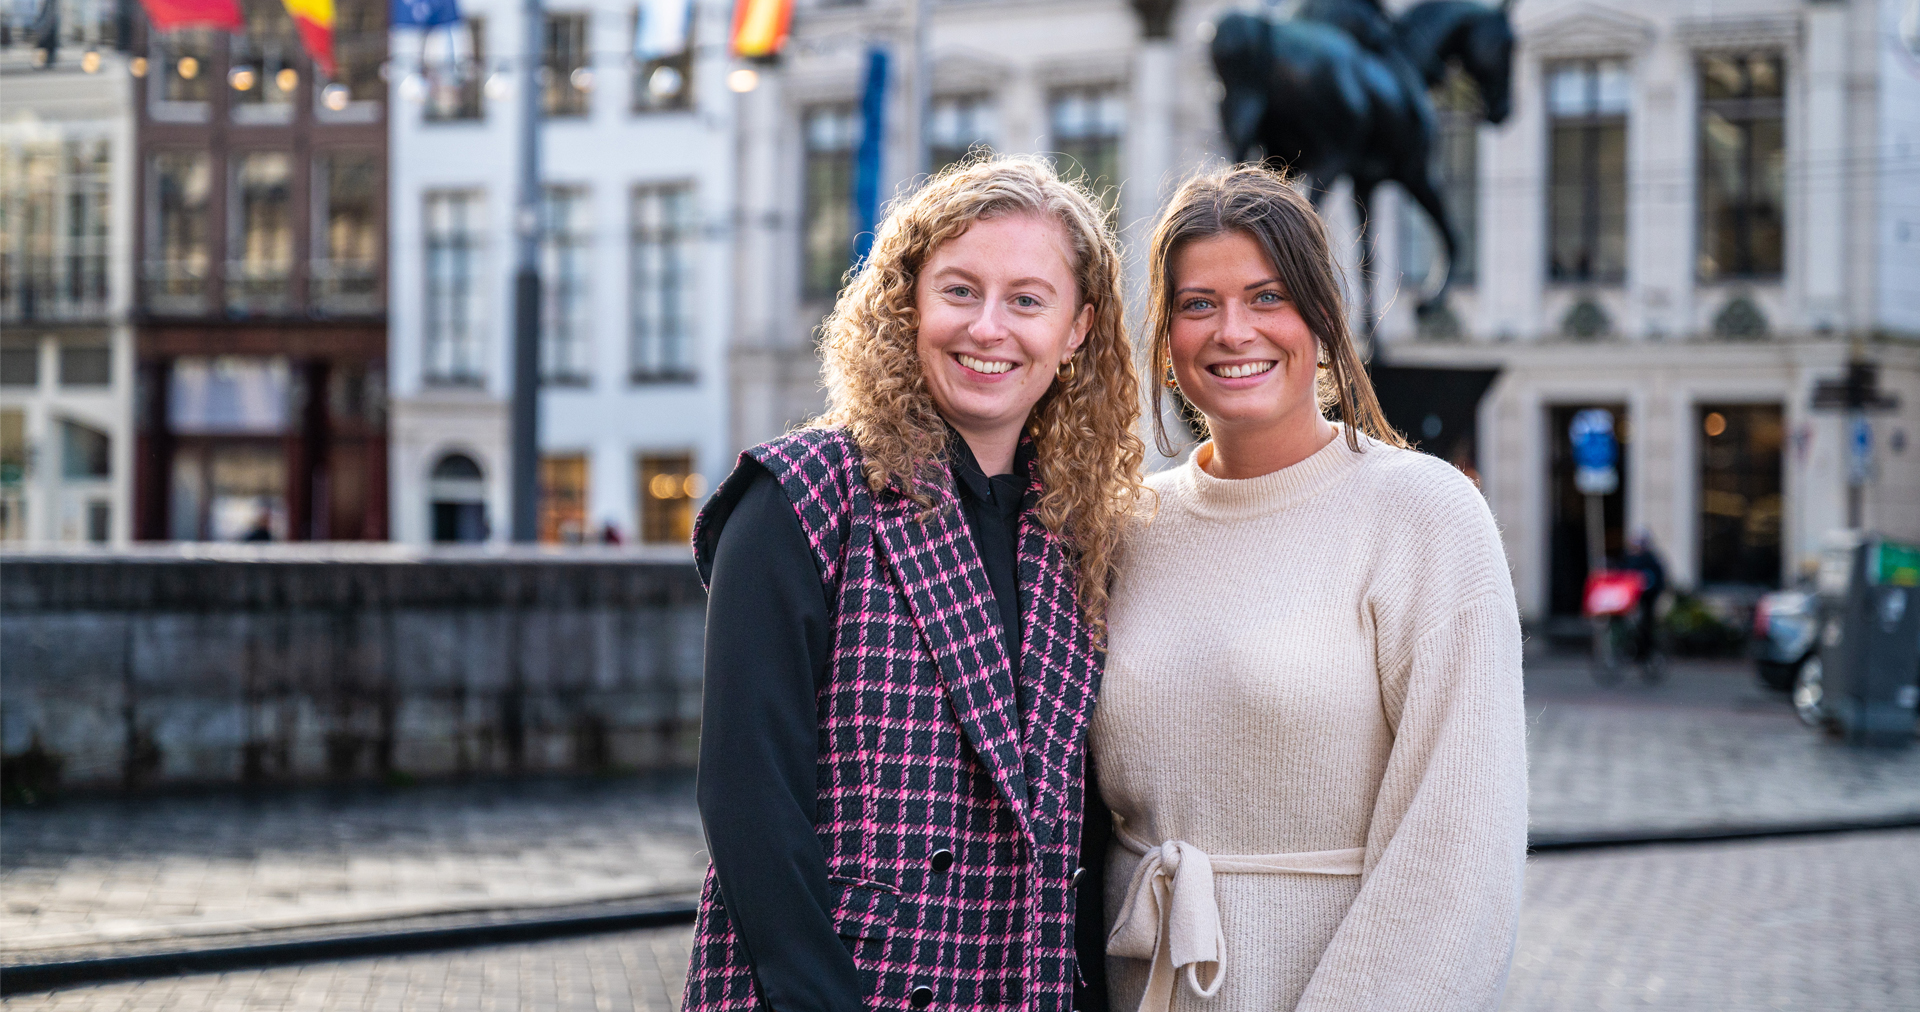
{"x":423,"y":13}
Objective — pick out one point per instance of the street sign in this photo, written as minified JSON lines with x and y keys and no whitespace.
{"x":1595,"y":452}
{"x":1859,"y":450}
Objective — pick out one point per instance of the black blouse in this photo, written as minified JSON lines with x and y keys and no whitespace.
{"x":769,"y":643}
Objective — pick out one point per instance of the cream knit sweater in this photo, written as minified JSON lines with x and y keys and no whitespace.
{"x":1322,"y":658}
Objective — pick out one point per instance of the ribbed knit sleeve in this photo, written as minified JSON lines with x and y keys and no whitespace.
{"x":1434,"y":923}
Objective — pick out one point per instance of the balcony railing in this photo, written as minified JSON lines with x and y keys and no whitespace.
{"x":176,"y":287}
{"x":258,"y":287}
{"x":70,"y":288}
{"x":346,"y":287}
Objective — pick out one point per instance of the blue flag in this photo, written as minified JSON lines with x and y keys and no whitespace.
{"x":866,"y":165}
{"x":423,"y":13}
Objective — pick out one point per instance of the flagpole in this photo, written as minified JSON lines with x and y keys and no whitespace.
{"x":526,"y":286}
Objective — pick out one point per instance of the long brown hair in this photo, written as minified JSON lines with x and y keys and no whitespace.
{"x":1263,"y":205}
{"x":1087,"y":454}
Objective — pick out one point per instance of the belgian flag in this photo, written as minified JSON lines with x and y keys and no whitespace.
{"x":314,"y":19}
{"x":760,"y":26}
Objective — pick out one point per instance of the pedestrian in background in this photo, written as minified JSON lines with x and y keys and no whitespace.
{"x":1310,"y":731}
{"x":1641,"y":557}
{"x":904,"y":620}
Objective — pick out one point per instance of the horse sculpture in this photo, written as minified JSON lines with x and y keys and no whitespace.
{"x":1341,"y":90}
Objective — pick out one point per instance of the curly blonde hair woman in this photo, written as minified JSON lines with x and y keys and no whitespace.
{"x":1086,"y":452}
{"x":903,"y":621}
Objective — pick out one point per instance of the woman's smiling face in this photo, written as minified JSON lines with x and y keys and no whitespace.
{"x":999,"y":311}
{"x":1240,"y":350}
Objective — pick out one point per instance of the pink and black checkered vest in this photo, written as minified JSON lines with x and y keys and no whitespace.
{"x":932,"y":741}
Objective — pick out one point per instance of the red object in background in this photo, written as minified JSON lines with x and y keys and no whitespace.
{"x":168,"y":15}
{"x":1612,"y":592}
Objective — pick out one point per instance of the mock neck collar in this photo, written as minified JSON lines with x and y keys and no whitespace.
{"x":1003,"y":491}
{"x":1240,"y":498}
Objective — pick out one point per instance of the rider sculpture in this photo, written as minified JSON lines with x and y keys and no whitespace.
{"x":1340,"y":89}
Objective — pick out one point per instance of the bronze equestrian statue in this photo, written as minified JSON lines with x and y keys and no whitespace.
{"x":1341,"y":90}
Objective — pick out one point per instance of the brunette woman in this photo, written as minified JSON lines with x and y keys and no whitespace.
{"x":904,"y":621}
{"x":1310,"y":732}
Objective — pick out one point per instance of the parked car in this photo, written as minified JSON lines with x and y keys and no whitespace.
{"x":1786,"y":637}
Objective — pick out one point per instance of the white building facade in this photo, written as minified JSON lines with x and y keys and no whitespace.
{"x":1695,"y":213}
{"x":66,"y":350}
{"x":638,"y":191}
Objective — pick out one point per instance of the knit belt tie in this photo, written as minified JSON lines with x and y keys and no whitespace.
{"x":1170,"y":915}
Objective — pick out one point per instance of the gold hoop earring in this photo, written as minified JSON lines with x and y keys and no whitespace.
{"x":1067,"y":371}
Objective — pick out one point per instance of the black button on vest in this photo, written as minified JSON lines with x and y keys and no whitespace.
{"x":922,"y":996}
{"x":942,"y":859}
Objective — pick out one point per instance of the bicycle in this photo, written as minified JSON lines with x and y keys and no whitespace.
{"x":1612,"y":606}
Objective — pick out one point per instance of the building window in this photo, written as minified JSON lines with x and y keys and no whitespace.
{"x":455,"y":58}
{"x":663,"y":71}
{"x":178,"y":255}
{"x":20,"y":365}
{"x":956,"y":126}
{"x":260,"y":247}
{"x":669,"y":489}
{"x":827,"y":240}
{"x":86,"y":453}
{"x":563,"y":498}
{"x":1743,"y":165}
{"x":1587,"y":193}
{"x":565,"y":339}
{"x":86,"y":365}
{"x":347,"y":232}
{"x":359,"y":48}
{"x":457,"y":496}
{"x":1740,"y":485}
{"x":569,"y":77}
{"x":182,"y":73}
{"x":264,"y":64}
{"x":455,"y":228}
{"x":1456,"y":168}
{"x":662,"y":284}
{"x":13,"y":475}
{"x":53,"y":229}
{"x":1087,"y":124}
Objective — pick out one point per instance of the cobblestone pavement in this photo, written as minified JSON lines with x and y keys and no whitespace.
{"x":1808,"y":924}
{"x":1813,"y":924}
{"x":1707,"y":747}
{"x":89,"y":877}
{"x":89,"y":872}
{"x":643,"y":971}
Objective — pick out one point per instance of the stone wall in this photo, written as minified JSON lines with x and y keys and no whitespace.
{"x":200,"y":664}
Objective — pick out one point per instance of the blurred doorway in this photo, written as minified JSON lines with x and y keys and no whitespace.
{"x":457,"y":495}
{"x":563,"y":498}
{"x":1740,"y":501}
{"x":1566,"y":508}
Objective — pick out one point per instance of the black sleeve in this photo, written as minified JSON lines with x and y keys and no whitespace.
{"x":768,"y":647}
{"x":1090,"y":910}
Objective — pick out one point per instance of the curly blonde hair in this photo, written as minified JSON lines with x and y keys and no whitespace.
{"x":1087,"y":455}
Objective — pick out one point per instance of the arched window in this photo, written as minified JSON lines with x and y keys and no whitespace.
{"x":456,"y":467}
{"x":457,"y":494}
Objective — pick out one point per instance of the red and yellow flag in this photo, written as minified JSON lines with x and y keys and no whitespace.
{"x":314,"y":18}
{"x":759,"y":26}
{"x":168,"y":15}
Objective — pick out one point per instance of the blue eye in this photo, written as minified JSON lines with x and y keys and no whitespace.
{"x":1026,"y":301}
{"x":960,"y":292}
{"x":1269,"y":297}
{"x":1197,"y":305}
